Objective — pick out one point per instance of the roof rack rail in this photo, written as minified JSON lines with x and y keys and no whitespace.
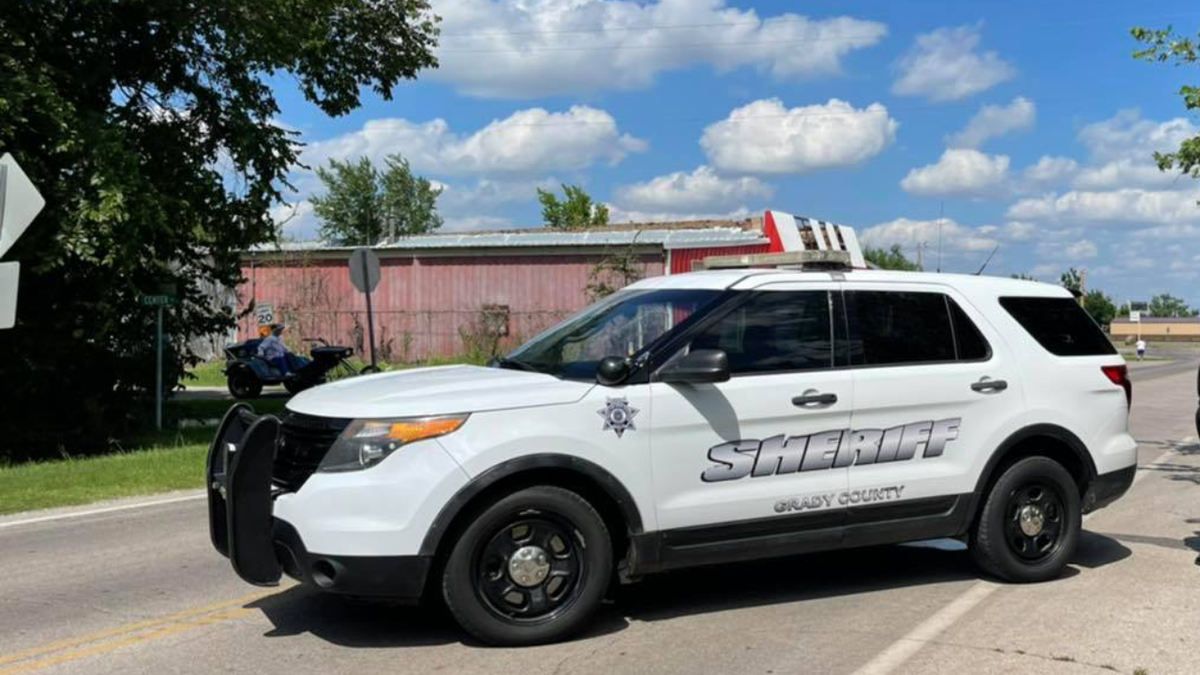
{"x":811,"y":260}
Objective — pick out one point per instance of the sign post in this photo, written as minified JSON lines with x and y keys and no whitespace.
{"x":159,"y":302}
{"x":1136,"y":317}
{"x":364,"y":274}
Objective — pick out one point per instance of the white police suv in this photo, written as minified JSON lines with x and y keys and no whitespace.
{"x":688,"y":420}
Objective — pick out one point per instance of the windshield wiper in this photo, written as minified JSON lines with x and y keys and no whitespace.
{"x":514,"y":364}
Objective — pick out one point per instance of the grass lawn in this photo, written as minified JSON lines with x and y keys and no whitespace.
{"x":207,"y":375}
{"x":160,"y":462}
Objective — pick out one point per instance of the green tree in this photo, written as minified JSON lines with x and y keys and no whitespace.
{"x":1161,"y":46}
{"x":1169,"y":305}
{"x":150,"y":127}
{"x":1100,"y":307}
{"x":1024,"y":277}
{"x":1072,"y":280}
{"x":576,"y":211}
{"x":890,"y":259}
{"x":361,"y":205}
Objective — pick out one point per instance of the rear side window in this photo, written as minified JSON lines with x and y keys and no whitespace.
{"x":1060,"y":325}
{"x":899,"y":327}
{"x":775,"y":331}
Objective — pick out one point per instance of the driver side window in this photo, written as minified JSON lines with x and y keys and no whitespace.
{"x":775,"y":331}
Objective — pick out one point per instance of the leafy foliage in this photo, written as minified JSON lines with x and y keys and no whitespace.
{"x":891,"y":259}
{"x":1023,"y":277}
{"x":613,"y":272}
{"x":576,"y":211}
{"x":1072,"y":280}
{"x":149,"y":127}
{"x":1100,"y":307}
{"x":1169,"y":305}
{"x":362,"y":205}
{"x":1161,"y":46}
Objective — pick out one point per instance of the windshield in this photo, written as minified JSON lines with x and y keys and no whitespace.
{"x":622,"y":324}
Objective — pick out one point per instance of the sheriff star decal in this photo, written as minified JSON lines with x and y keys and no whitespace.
{"x":618,"y":415}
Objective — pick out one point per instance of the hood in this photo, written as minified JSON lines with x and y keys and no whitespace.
{"x":436,"y":391}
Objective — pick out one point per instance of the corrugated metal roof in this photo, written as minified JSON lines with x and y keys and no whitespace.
{"x":667,"y":238}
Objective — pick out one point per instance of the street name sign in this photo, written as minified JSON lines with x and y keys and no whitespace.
{"x":159,"y":300}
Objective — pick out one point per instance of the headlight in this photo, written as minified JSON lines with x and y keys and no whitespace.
{"x":366,"y":443}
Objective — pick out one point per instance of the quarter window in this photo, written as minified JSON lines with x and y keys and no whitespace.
{"x":970,"y":343}
{"x":774,"y":331}
{"x":1059,"y":325}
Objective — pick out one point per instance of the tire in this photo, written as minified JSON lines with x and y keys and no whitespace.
{"x":544,"y":602}
{"x":244,"y":384}
{"x":1028,"y":545}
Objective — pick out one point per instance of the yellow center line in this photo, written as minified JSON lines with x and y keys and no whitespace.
{"x":167,"y":625}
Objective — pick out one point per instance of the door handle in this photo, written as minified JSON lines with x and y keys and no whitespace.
{"x":812,"y":398}
{"x":986,"y":385}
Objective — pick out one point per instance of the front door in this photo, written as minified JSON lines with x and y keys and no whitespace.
{"x":753,"y":457}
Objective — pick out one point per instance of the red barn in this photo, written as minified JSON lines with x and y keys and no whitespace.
{"x":446,"y":294}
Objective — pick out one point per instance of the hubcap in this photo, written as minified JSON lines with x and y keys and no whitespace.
{"x":529,"y":566}
{"x":1032,"y":520}
{"x":1035,"y":521}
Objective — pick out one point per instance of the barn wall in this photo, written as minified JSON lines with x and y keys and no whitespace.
{"x":683,"y":258}
{"x":425,"y":306}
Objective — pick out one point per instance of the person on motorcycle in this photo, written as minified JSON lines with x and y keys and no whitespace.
{"x":273,"y":351}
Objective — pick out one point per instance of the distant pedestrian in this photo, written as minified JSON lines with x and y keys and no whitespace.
{"x":1141,"y":349}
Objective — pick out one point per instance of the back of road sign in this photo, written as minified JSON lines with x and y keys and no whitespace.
{"x":364,"y":269}
{"x":9,"y":274}
{"x":20,"y":203}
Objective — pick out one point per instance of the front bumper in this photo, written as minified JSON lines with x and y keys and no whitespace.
{"x":263,"y":547}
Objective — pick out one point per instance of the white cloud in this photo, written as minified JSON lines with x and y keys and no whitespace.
{"x":909,"y":233}
{"x":296,"y":220}
{"x":1128,"y":206}
{"x":960,"y":172}
{"x":1018,"y":231}
{"x":1122,"y":152}
{"x":617,"y":215}
{"x":995,"y":120}
{"x":702,"y":189}
{"x":766,"y":137}
{"x":944,"y":66}
{"x":461,"y":199}
{"x":1049,"y":170}
{"x":560,"y":47}
{"x":528,"y":141}
{"x":1078,"y":250}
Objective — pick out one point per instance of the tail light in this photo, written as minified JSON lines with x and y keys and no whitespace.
{"x":1119,"y":375}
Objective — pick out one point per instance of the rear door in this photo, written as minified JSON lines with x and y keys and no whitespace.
{"x":934,"y":393}
{"x":752,"y":457}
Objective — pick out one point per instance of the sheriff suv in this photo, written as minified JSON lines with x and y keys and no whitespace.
{"x":692,"y":419}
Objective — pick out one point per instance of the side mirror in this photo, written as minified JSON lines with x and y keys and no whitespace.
{"x":612,"y":370}
{"x":699,"y":367}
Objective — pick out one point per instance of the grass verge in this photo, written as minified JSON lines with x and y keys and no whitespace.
{"x":157,"y":462}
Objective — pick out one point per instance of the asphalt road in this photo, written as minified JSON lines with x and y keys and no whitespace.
{"x":139,"y":590}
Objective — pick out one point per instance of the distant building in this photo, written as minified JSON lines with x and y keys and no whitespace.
{"x":438,"y":292}
{"x":1185,"y":328}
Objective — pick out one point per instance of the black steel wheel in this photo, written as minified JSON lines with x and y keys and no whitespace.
{"x":530,"y":568}
{"x":1030,"y":522}
{"x":1033,"y":525}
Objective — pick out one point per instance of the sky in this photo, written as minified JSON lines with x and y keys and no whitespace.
{"x":1024,"y":128}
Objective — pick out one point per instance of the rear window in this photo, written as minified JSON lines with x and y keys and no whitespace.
{"x":1060,"y":325}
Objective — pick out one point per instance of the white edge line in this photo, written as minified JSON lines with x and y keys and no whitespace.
{"x":900,"y":651}
{"x":97,"y":512}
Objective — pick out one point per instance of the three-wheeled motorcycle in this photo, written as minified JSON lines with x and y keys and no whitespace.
{"x":246,"y":373}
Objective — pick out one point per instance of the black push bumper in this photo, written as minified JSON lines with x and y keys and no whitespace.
{"x":1108,"y":488}
{"x":262,"y":547}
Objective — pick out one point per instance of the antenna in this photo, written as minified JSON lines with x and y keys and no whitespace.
{"x":941,"y":219}
{"x":989,"y":259}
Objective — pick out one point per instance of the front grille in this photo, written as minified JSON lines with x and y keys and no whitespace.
{"x":303,"y":442}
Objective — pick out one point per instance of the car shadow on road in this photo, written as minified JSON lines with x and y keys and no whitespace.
{"x":364,"y":624}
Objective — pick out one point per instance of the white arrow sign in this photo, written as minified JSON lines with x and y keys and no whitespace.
{"x":20,"y":203}
{"x":9,"y":273}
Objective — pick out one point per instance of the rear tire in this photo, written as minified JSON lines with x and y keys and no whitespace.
{"x":1029,"y":527}
{"x":244,"y":384}
{"x":530,"y":568}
